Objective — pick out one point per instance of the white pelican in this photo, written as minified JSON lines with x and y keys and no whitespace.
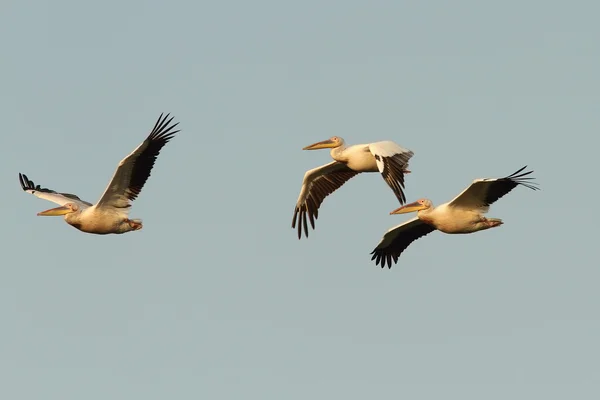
{"x":464,"y":214}
{"x":385,"y":157}
{"x":110,"y":214}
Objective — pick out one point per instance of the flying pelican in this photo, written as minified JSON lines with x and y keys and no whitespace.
{"x":110,"y":214}
{"x":385,"y":157}
{"x":464,"y":214}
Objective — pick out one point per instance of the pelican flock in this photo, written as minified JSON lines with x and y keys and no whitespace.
{"x":463,"y":215}
{"x":111,"y":213}
{"x":386,"y":157}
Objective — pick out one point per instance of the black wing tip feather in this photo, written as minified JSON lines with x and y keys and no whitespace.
{"x":158,"y":138}
{"x":393,"y":173}
{"x":162,"y":131}
{"x":27,"y":184}
{"x":390,"y":253}
{"x":522,"y":178}
{"x":380,"y":258}
{"x":309,"y":208}
{"x":502,"y":186}
{"x":300,"y":216}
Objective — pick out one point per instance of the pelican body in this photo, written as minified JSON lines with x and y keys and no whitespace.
{"x":386,"y":157}
{"x":94,"y":219}
{"x":449,"y":219}
{"x":358,"y":157}
{"x":110,"y":214}
{"x":463,"y":215}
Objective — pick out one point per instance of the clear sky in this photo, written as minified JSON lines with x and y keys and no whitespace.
{"x":216,"y":297}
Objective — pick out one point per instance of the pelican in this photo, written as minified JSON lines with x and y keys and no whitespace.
{"x":385,"y":157}
{"x":464,"y":214}
{"x":111,"y":213}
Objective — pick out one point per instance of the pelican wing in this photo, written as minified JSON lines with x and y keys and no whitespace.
{"x":134,"y":170}
{"x":48,"y":194}
{"x":318,"y":183}
{"x":392,"y":161}
{"x":397,"y":239}
{"x":484,"y":192}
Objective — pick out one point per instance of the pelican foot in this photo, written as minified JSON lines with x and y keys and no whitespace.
{"x":134,"y":224}
{"x":492,"y":222}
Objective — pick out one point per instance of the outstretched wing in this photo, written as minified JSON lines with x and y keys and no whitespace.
{"x":134,"y":170}
{"x":318,"y":183}
{"x":484,"y":192}
{"x":392,"y":161}
{"x":48,"y":194}
{"x":397,"y":239}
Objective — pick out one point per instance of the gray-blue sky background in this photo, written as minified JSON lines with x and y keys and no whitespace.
{"x":216,"y":297}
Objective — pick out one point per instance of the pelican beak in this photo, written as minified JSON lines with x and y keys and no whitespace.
{"x":325,"y":144}
{"x":54,"y":212}
{"x":409,"y":208}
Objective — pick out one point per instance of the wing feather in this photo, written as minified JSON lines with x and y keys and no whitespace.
{"x":134,"y":170}
{"x":318,"y":183}
{"x":392,"y":162}
{"x":48,"y":194}
{"x":484,"y":192}
{"x":397,"y":239}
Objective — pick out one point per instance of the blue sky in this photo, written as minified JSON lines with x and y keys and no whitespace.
{"x":216,"y":297}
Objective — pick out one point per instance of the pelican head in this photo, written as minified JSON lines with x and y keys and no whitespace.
{"x":421,"y":204}
{"x":330,"y":143}
{"x":62,"y":210}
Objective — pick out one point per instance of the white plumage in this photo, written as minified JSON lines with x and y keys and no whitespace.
{"x":110,"y":214}
{"x":386,"y":157}
{"x":462,"y":215}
